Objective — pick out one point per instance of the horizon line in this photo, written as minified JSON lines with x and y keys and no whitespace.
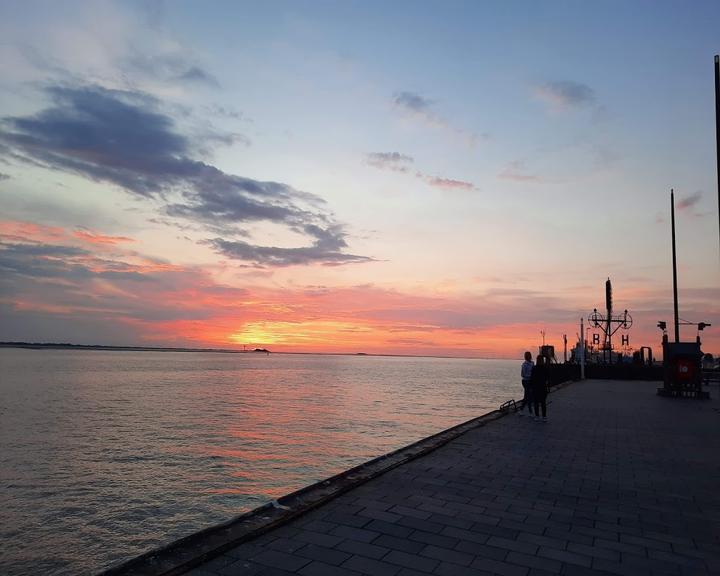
{"x":129,"y":348}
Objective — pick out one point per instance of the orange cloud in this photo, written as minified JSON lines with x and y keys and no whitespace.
{"x":18,"y":230}
{"x":97,"y":238}
{"x":135,"y":299}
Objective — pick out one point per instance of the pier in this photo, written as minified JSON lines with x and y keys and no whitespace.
{"x":619,"y":481}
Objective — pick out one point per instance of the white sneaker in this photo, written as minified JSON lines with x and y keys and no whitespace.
{"x":544,"y":419}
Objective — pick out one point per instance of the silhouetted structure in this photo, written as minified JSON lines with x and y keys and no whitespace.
{"x":682,"y":370}
{"x":610,"y":323}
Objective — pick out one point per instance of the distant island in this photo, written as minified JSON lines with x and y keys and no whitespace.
{"x":68,"y":346}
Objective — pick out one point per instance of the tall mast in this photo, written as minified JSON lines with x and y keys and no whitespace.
{"x":717,"y":128}
{"x":675,"y":291}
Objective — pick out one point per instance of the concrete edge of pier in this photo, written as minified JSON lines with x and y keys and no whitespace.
{"x":181,"y":555}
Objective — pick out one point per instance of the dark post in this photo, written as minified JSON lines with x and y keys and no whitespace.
{"x":608,"y":329}
{"x":675,"y":295}
{"x":717,"y":128}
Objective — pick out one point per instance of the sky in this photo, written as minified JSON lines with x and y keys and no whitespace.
{"x":407,"y":177}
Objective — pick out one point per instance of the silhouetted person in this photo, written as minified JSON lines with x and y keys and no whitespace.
{"x":538,"y":385}
{"x":525,"y":375}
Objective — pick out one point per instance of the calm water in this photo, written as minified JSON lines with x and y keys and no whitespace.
{"x":106,"y":455}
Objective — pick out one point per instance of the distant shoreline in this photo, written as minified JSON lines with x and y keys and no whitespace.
{"x":91,"y":347}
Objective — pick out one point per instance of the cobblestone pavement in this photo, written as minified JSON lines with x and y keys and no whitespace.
{"x":618,"y":481}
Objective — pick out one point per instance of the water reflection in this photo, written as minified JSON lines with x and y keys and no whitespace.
{"x":108,"y":454}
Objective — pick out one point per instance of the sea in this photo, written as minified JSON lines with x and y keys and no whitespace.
{"x":105,"y":455}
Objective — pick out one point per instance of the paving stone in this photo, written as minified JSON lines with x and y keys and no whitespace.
{"x":434,"y":539}
{"x":619,"y":546}
{"x":320,"y":569}
{"x":543,"y":540}
{"x":409,"y":572}
{"x":646,"y":542}
{"x":494,"y":530}
{"x":461,"y":534}
{"x":534,"y":562}
{"x":220,"y":562}
{"x":285,"y":545}
{"x":417,"y":524}
{"x":277,"y":559}
{"x":527,"y":527}
{"x":451,"y":521}
{"x":321,"y":526}
{"x":516,"y":545}
{"x":569,"y":536}
{"x":244,"y":551}
{"x":498,"y":567}
{"x":345,"y":519}
{"x":594,"y":551}
{"x":268,"y":571}
{"x":359,"y":534}
{"x":483,"y":550}
{"x":369,"y":566}
{"x":377,"y":514}
{"x":446,"y":555}
{"x":447,"y":569}
{"x":659,"y":566}
{"x":323,"y":554}
{"x":388,"y":528}
{"x":412,"y":561}
{"x":574,"y":570}
{"x":674,"y":558}
{"x":200,"y":572}
{"x":363,"y":549}
{"x":395,"y":543}
{"x":327,"y":540}
{"x":565,"y":556}
{"x":413,"y":512}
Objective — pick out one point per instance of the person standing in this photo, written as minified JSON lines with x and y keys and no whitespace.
{"x":538,"y":386}
{"x":525,"y":376}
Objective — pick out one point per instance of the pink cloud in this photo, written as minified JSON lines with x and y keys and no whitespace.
{"x":97,"y":238}
{"x":449,"y":183}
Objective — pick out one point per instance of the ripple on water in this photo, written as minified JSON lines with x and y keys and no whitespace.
{"x":109,"y":454}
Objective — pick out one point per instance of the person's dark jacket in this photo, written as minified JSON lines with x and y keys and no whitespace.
{"x":539,"y":381}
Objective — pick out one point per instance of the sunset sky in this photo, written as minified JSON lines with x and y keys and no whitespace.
{"x":443,"y":178}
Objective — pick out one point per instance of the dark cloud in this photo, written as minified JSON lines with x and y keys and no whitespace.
{"x":197,"y":74}
{"x":172,"y":67}
{"x":389,"y":161}
{"x":689,"y":201}
{"x":103,"y":134}
{"x":123,"y":138}
{"x":565,"y":94}
{"x":57,"y":261}
{"x":412,"y":101}
{"x":421,"y":108}
{"x":326,"y":249}
{"x":398,"y":162}
{"x":4,"y":176}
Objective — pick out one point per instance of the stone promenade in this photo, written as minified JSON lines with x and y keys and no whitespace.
{"x":619,"y":481}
